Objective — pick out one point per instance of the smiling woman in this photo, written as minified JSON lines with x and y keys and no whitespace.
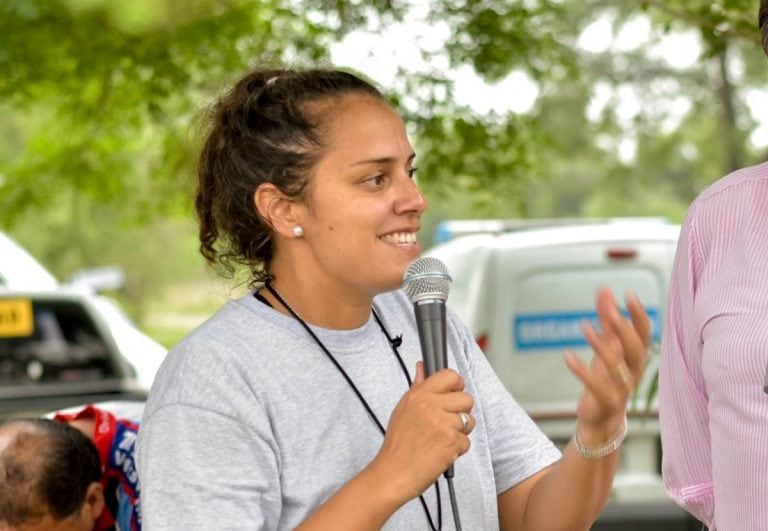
{"x":303,"y":405}
{"x":359,"y":230}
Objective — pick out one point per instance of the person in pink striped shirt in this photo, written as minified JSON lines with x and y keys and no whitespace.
{"x":712,"y":406}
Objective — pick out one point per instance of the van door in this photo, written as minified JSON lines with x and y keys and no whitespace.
{"x":544,"y":293}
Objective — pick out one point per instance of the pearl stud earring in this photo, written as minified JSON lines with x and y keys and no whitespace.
{"x":298,"y":231}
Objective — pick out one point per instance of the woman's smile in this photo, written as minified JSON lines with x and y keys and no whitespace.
{"x":399,"y":238}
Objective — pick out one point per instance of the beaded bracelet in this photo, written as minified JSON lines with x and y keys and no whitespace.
{"x":598,"y":452}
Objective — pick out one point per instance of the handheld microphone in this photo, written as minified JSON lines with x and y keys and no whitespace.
{"x":427,"y":283}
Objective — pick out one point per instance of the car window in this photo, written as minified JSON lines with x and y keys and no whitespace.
{"x":51,"y":341}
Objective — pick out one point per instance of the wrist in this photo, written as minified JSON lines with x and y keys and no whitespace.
{"x":365,"y":502}
{"x":591,"y":447}
{"x":392,"y":489}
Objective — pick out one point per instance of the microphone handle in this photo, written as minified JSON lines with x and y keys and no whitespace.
{"x":430,"y":320}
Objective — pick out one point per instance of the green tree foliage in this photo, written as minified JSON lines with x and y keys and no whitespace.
{"x":100,"y":103}
{"x":101,"y":93}
{"x":106,"y":89}
{"x":565,"y":164}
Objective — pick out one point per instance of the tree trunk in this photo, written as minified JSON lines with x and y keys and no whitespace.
{"x":725,"y":92}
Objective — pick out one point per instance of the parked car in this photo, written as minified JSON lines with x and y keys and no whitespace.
{"x":22,"y":275}
{"x":57,"y":351}
{"x":525,"y":287}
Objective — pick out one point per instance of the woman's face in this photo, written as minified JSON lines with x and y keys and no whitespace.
{"x":363,"y":209}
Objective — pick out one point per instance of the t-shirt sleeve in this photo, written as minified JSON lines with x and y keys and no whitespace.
{"x":518,"y":447}
{"x":199,"y":467}
{"x":202,"y":470}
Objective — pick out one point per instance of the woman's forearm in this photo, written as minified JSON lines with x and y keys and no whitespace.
{"x":364,"y":503}
{"x":568,"y":496}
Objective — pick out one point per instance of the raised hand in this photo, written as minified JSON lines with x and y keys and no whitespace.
{"x":620,"y":348}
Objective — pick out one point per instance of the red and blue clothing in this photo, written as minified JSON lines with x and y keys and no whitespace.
{"x":116,"y":440}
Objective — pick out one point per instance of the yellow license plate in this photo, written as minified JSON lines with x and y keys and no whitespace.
{"x":16,"y":318}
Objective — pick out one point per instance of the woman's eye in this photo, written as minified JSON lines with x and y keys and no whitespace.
{"x":412,"y":172}
{"x":377,"y":180}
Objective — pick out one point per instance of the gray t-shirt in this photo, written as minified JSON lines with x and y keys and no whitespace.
{"x":249,"y":425}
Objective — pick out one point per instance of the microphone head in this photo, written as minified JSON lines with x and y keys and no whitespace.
{"x":427,"y":278}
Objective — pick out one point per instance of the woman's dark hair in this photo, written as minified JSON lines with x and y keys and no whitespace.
{"x":266,"y":129}
{"x":762,"y":23}
{"x":46,"y":469}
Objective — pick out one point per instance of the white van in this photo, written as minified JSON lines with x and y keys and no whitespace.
{"x":524,"y":289}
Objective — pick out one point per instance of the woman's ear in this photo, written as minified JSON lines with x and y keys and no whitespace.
{"x":276,"y":209}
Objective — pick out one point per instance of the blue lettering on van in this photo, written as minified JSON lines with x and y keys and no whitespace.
{"x":563,"y":330}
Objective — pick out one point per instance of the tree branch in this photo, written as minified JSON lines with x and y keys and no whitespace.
{"x":736,"y":27}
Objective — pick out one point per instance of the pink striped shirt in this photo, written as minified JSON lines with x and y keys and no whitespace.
{"x":712,"y":408}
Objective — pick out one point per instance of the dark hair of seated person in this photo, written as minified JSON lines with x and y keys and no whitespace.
{"x":46,"y":469}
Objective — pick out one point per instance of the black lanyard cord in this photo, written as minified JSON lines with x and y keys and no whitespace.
{"x":392,"y":343}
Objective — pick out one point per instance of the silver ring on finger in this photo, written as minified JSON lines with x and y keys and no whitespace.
{"x":464,"y":421}
{"x":622,"y":371}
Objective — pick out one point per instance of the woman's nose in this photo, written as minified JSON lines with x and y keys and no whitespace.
{"x":410,"y":197}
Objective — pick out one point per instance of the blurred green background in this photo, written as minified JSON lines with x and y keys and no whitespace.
{"x":517,"y":109}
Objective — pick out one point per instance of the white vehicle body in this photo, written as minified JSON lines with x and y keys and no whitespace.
{"x":21,"y":272}
{"x":524,"y":293}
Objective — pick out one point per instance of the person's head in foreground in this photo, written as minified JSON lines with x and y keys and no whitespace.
{"x":49,"y":477}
